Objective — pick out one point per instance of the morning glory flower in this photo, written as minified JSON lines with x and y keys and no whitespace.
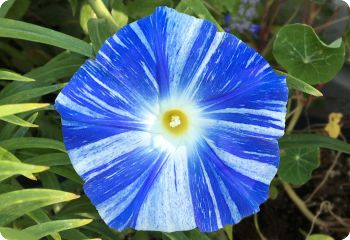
{"x":174,"y":125}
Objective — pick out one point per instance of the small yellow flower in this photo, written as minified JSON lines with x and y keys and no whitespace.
{"x":333,"y":127}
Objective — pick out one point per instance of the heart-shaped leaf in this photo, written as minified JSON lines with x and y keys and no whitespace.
{"x":297,"y":164}
{"x":298,"y":49}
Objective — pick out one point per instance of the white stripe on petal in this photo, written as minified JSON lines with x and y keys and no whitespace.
{"x":105,"y":86}
{"x":244,"y":128}
{"x":236,"y":216}
{"x":278,"y":114}
{"x":114,"y":206}
{"x":194,"y":85}
{"x":93,"y":155}
{"x":69,"y":103}
{"x":212,"y":195}
{"x":168,"y":205}
{"x":117,"y":40}
{"x":180,"y":55}
{"x":256,"y":170}
{"x":138,"y":31}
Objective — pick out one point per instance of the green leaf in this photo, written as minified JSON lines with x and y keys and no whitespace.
{"x":74,"y":5}
{"x":15,"y":204}
{"x":9,"y":75}
{"x":10,"y":168}
{"x":102,"y":11}
{"x":18,"y":9}
{"x":26,"y":31}
{"x":199,"y":9}
{"x":98,"y":32}
{"x":17,"y":121}
{"x":140,"y":8}
{"x":196,"y":234}
{"x":23,"y":130}
{"x":32,"y":142}
{"x":30,"y":94}
{"x":319,"y":237}
{"x":176,"y":236}
{"x":300,"y":85}
{"x":51,"y":159}
{"x":6,"y":155}
{"x":67,"y":172}
{"x":313,"y":140}
{"x":5,"y":8}
{"x":119,"y":13}
{"x":10,"y":109}
{"x":86,"y":13}
{"x":40,"y":216}
{"x":63,"y":65}
{"x":298,"y":49}
{"x":74,"y":234}
{"x":44,"y":229}
{"x":14,"y":234}
{"x":297,"y":164}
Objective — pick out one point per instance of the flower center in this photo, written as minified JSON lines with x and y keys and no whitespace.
{"x":175,"y":121}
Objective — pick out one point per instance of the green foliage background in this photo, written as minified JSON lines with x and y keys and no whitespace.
{"x":42,"y":44}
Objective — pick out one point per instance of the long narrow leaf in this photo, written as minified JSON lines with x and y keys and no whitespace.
{"x":26,"y":31}
{"x":14,"y":234}
{"x":30,"y":94}
{"x":51,"y":159}
{"x":313,"y":140}
{"x":300,"y":85}
{"x":10,"y":109}
{"x":10,"y":168}
{"x":32,"y":142}
{"x":17,"y":121}
{"x":17,"y":203}
{"x":44,"y":229}
{"x":6,"y":155}
{"x":9,"y":75}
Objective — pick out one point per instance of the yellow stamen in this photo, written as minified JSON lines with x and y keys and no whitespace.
{"x":175,"y":121}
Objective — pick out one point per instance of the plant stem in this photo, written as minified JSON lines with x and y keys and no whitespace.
{"x":297,"y":112}
{"x":102,"y":12}
{"x":324,"y":180}
{"x":320,"y":28}
{"x":257,"y":227}
{"x":301,"y":205}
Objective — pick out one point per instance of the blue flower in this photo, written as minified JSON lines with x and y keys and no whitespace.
{"x":174,"y":125}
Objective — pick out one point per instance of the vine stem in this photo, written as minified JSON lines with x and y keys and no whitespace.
{"x":320,"y":28}
{"x":297,"y":113}
{"x":102,"y":11}
{"x":324,"y":180}
{"x":257,"y":227}
{"x":302,"y":206}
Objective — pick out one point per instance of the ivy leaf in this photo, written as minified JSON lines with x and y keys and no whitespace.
{"x":298,"y":49}
{"x":297,"y":164}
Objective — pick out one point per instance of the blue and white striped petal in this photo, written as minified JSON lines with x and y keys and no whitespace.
{"x":138,"y":173}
